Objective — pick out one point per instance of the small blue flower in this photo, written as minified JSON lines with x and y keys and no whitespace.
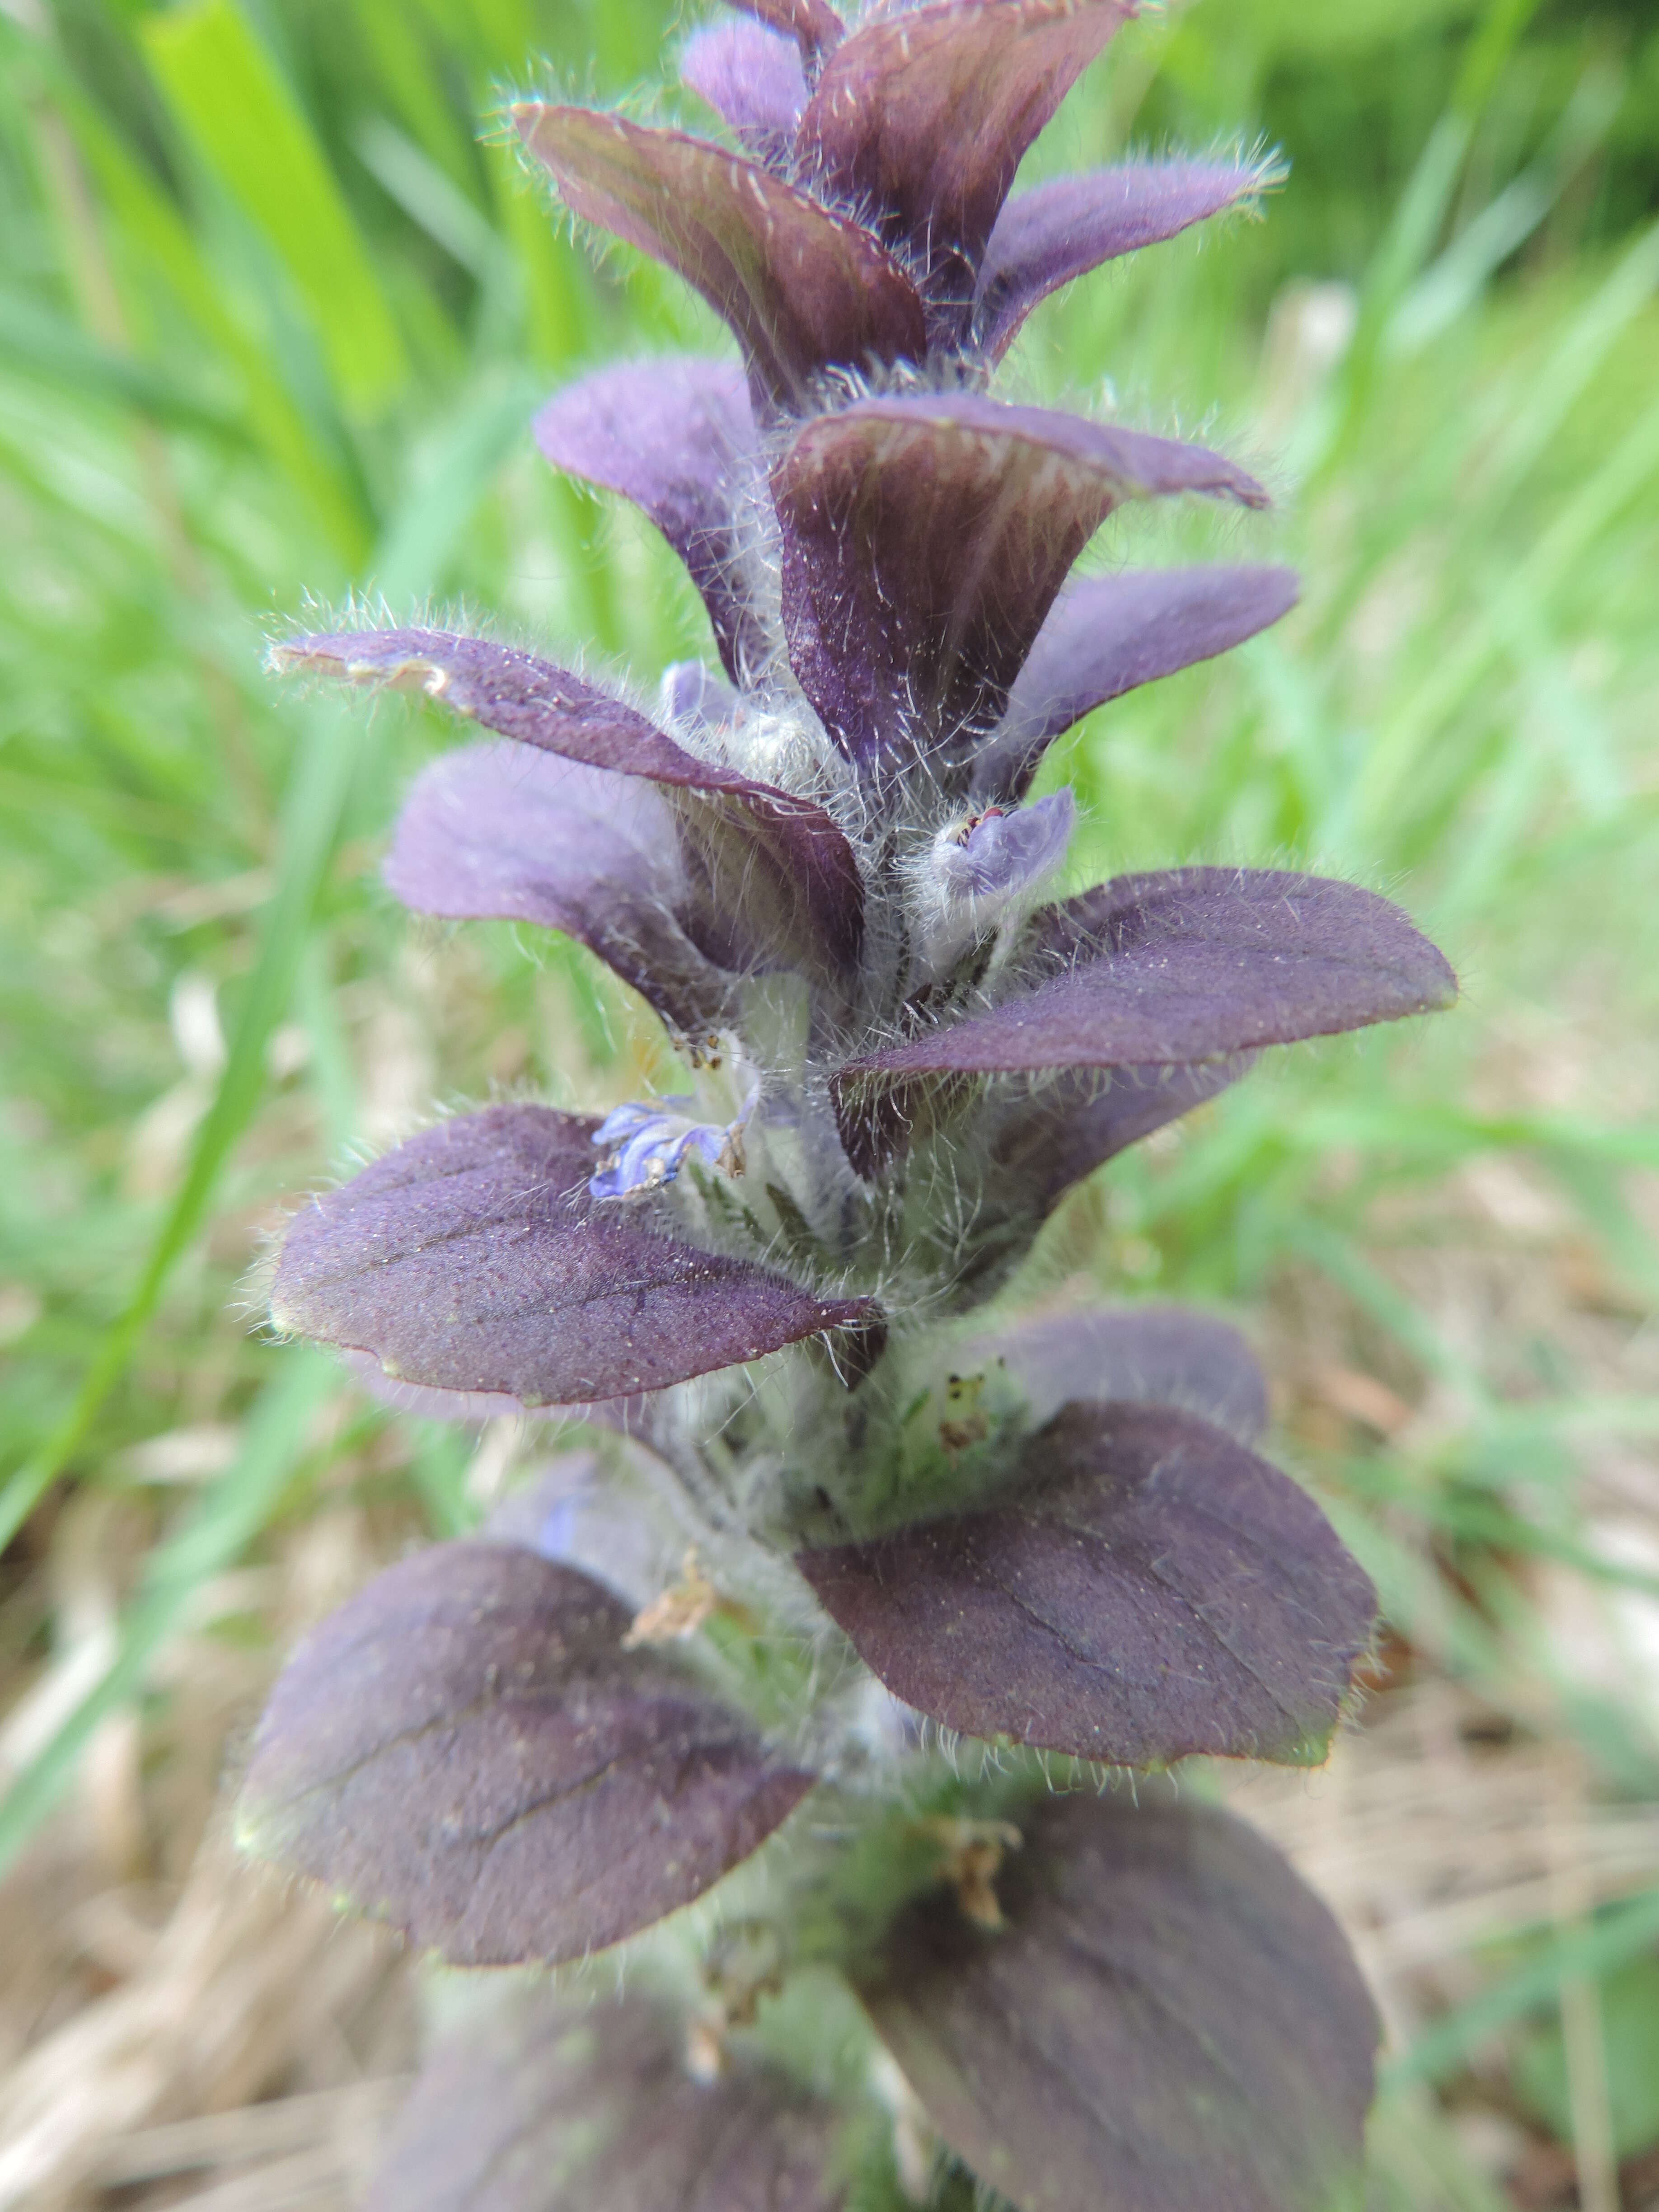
{"x":994,"y":857}
{"x":982,"y":871}
{"x":645,"y":1146}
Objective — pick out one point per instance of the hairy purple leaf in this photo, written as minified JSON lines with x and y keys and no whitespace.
{"x":1060,"y":230}
{"x":544,"y":2104}
{"x":1048,"y":1132}
{"x":472,"y":1259}
{"x":467,"y":1751}
{"x":1140,"y":1355}
{"x":1041,"y":1132}
{"x":1144,"y":1588}
{"x":509,"y":691}
{"x":922,"y":116}
{"x":675,"y":436}
{"x":1172,"y":969}
{"x":1169,"y":2022}
{"x":753,"y":80}
{"x":506,"y":832}
{"x":774,"y":879}
{"x":813,"y":24}
{"x":800,"y":286}
{"x":1106,"y":635}
{"x":925,"y":539}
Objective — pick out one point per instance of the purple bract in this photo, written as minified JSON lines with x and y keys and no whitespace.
{"x":815,"y":858}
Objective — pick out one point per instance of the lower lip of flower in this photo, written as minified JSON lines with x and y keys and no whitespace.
{"x":644,"y":1147}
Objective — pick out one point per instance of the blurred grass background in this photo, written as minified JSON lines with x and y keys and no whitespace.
{"x":273,"y":316}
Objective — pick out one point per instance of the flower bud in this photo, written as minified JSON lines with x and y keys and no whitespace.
{"x":981,"y":871}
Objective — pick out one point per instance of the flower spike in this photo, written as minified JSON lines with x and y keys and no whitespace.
{"x":830,"y":1502}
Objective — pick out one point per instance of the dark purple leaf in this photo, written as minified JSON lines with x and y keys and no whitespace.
{"x":675,"y":436}
{"x":923,"y":113}
{"x":467,"y":1751}
{"x":771,"y":872}
{"x":472,"y":1259}
{"x":1144,"y":1588}
{"x":800,"y":286}
{"x":1045,"y":237}
{"x":1171,"y":2021}
{"x":1056,"y":1129}
{"x":1178,"y":967}
{"x":1140,"y":1355}
{"x":513,"y":693}
{"x":1042,"y":1132}
{"x":753,"y":80}
{"x":1106,"y":635}
{"x":813,"y":24}
{"x":545,"y":2104}
{"x":506,"y":832}
{"x":925,"y":539}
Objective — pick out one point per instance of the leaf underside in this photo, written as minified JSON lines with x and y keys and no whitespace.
{"x":778,"y":878}
{"x":1140,"y":1355}
{"x":1062,"y":229}
{"x":753,"y":80}
{"x":466,"y":1751}
{"x":673,"y":436}
{"x":800,"y":288}
{"x":1055,"y":1129}
{"x":923,"y":540}
{"x":1105,"y":636}
{"x":509,"y":833}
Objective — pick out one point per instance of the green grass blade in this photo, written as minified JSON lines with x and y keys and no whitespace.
{"x":335,"y":740}
{"x":309,"y":833}
{"x":488,"y":427}
{"x":230,"y":1514}
{"x":1622,"y":1932}
{"x":1400,"y":747}
{"x":35,"y":341}
{"x":226,"y":94}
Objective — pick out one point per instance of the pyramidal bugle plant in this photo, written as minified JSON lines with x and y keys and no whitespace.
{"x":859,"y":1612}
